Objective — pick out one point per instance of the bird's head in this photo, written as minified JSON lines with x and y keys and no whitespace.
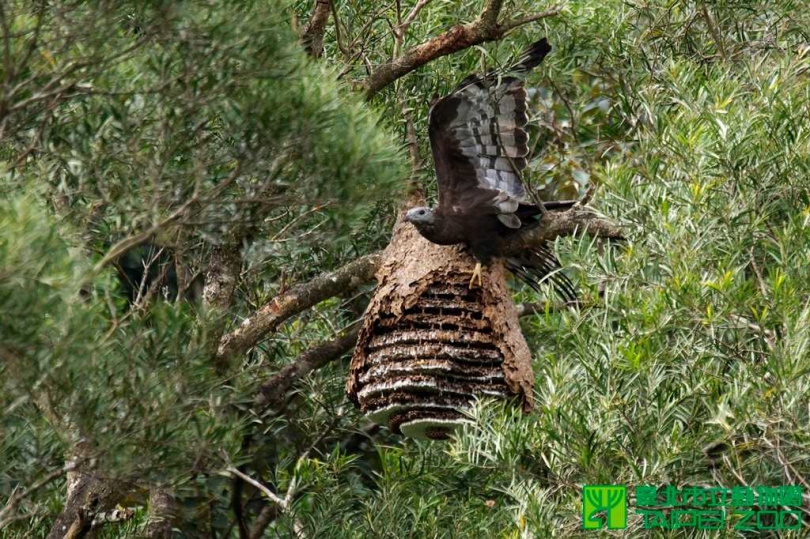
{"x":420,"y":216}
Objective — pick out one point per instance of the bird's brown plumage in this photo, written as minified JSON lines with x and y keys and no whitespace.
{"x":480,"y":148}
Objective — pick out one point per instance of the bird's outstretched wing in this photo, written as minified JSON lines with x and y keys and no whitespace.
{"x":479,"y":140}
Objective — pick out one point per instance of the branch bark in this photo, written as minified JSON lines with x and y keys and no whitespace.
{"x":162,"y":514}
{"x":567,"y":223}
{"x":221,"y":278}
{"x":283,"y":503}
{"x":273,"y":391}
{"x":297,"y":299}
{"x":484,"y":28}
{"x":313,"y":34}
{"x":87,"y":496}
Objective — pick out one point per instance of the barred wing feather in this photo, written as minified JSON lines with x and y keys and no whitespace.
{"x":479,"y":140}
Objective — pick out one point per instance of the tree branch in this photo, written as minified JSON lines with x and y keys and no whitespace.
{"x":409,"y":18}
{"x":484,"y":28}
{"x":161,"y":514}
{"x":221,"y":278}
{"x":273,"y":391}
{"x":297,"y":299}
{"x":18,"y":495}
{"x":566,"y":223}
{"x":528,"y":309}
{"x":267,"y":515}
{"x":508,"y":26}
{"x":313,"y":35}
{"x":87,"y":496}
{"x":714,"y":30}
{"x":282,"y":503}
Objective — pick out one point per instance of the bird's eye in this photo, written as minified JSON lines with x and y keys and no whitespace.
{"x":421,"y":212}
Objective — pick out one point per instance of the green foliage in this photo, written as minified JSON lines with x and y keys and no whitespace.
{"x":165,"y":102}
{"x":690,"y":365}
{"x":125,"y":385}
{"x":120,"y":116}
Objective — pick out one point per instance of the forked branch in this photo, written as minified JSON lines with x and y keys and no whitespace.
{"x":295,"y":300}
{"x":485,"y":28}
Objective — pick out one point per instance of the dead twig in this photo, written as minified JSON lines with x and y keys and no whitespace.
{"x":19,"y":494}
{"x":282,"y":503}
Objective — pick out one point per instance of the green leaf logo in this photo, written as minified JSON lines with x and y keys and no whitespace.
{"x":611,"y":500}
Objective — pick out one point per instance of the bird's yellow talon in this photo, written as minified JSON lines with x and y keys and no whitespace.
{"x":476,"y":275}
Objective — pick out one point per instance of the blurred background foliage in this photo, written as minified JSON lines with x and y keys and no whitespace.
{"x":692,"y":366}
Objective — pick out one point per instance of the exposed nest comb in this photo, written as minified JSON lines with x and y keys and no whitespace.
{"x":430,"y":345}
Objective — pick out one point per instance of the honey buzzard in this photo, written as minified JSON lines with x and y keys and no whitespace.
{"x":480,"y":146}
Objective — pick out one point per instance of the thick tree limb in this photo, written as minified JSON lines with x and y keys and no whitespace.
{"x":484,"y":28}
{"x":313,"y":35}
{"x":88,"y":495}
{"x":221,"y":279}
{"x":566,"y":223}
{"x":295,"y":300}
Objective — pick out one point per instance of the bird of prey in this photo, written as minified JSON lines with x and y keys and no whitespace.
{"x":480,"y":146}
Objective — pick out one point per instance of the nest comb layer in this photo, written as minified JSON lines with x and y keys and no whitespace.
{"x":430,"y":345}
{"x":427,"y":364}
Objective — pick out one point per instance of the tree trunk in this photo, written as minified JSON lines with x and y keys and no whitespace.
{"x":162,"y":514}
{"x":87,"y":496}
{"x":430,"y":344}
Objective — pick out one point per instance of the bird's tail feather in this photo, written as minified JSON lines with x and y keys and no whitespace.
{"x":539,"y":265}
{"x":509,"y":76}
{"x":531,"y":57}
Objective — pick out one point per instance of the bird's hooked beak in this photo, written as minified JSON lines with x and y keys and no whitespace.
{"x":419,"y":216}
